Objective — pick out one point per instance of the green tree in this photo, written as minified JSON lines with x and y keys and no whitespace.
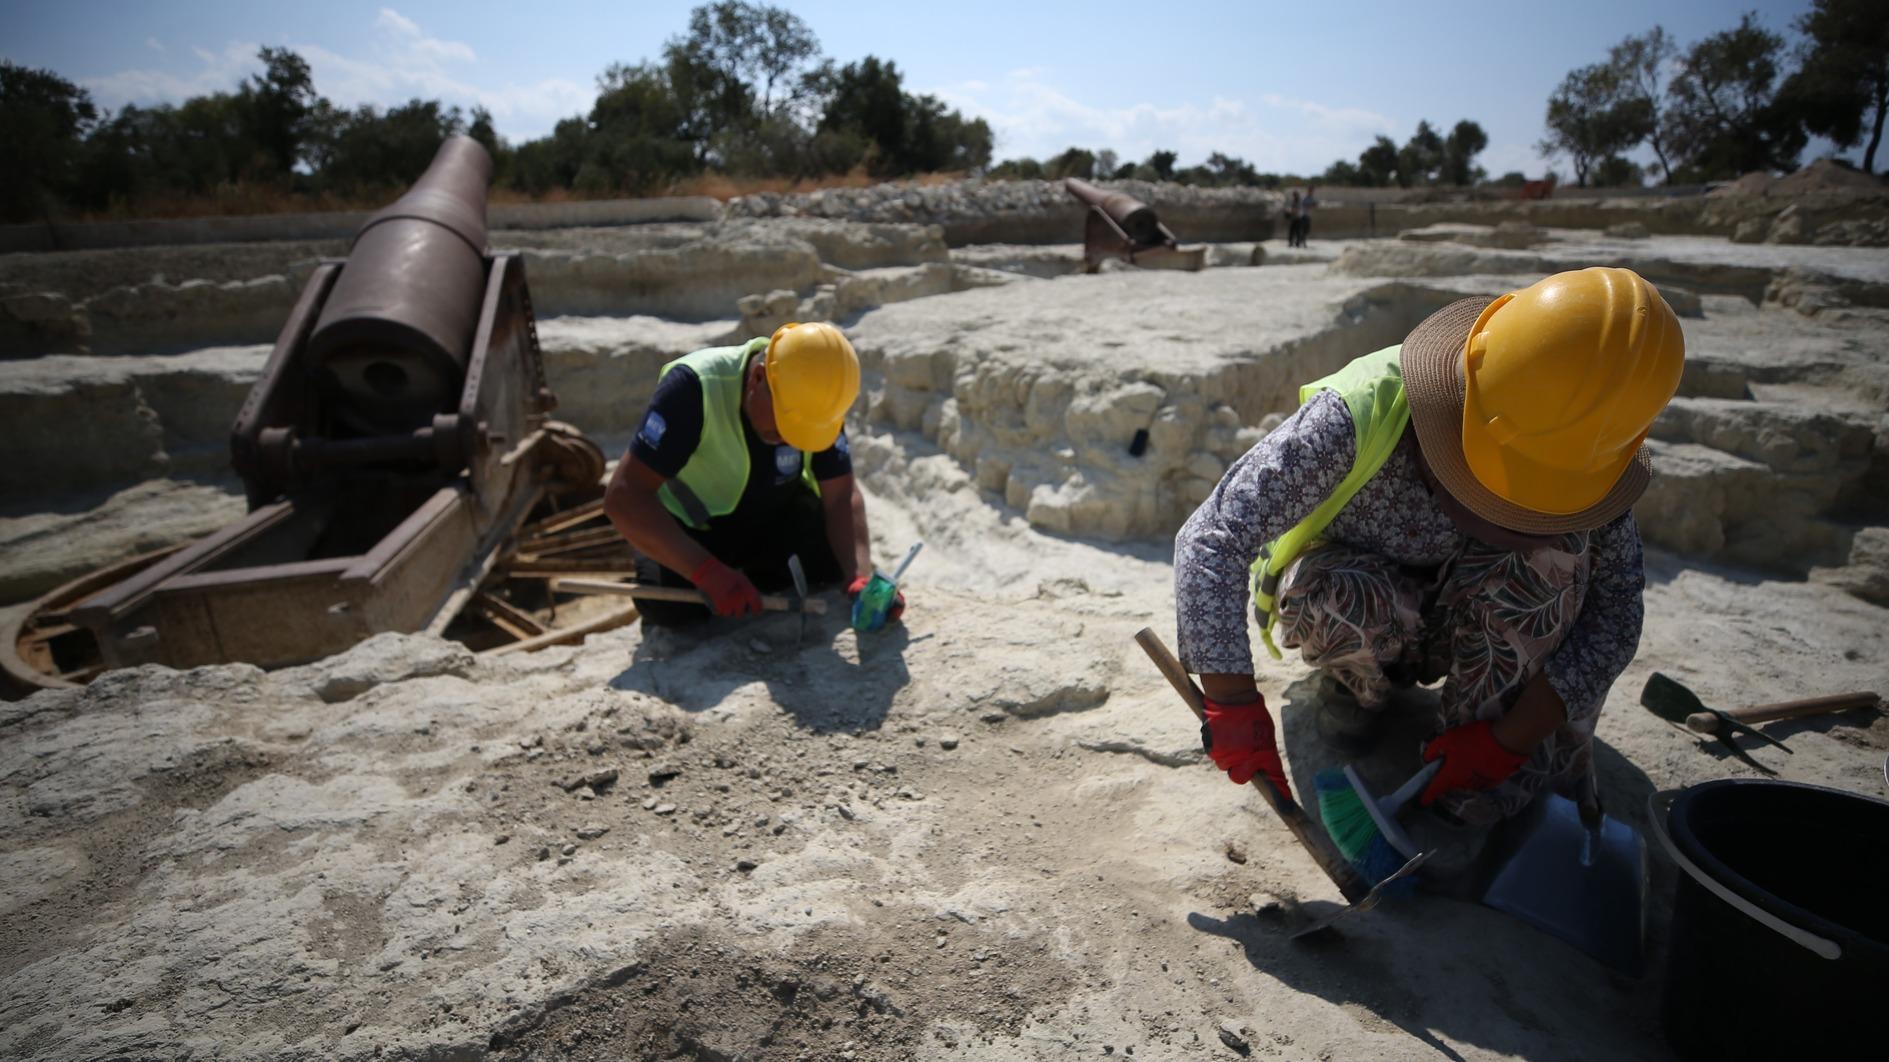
{"x":43,"y":118}
{"x":1074,"y":162}
{"x":1725,"y":118}
{"x":1460,"y":149}
{"x":275,"y":107}
{"x":1343,"y":174}
{"x":1640,"y":65}
{"x":1162,"y":163}
{"x":1592,"y":116}
{"x":372,"y":149}
{"x":1377,"y":164}
{"x":1420,"y":158}
{"x":1843,"y":73}
{"x":634,"y":142}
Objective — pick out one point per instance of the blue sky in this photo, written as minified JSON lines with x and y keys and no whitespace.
{"x":1289,"y":87}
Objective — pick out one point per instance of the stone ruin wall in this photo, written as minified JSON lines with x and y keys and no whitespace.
{"x":141,"y":380}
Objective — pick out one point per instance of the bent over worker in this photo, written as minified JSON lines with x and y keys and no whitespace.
{"x":740,"y":462}
{"x":1454,"y":508}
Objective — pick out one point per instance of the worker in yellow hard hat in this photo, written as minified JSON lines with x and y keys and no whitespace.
{"x":741,"y":462}
{"x":1457,"y":508}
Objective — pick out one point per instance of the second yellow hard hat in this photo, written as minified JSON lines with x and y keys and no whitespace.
{"x":1561,"y":382}
{"x":813,"y":376}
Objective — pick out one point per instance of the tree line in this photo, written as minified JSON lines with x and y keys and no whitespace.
{"x":1725,"y":106}
{"x":744,"y":92}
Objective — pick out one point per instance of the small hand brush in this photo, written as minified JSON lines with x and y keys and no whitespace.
{"x":1363,"y":828}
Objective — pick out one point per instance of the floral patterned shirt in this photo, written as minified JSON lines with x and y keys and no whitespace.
{"x":1293,"y":470}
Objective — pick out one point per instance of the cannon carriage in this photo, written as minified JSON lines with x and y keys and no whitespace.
{"x":395,"y":453}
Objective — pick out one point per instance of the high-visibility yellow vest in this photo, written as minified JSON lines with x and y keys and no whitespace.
{"x":1373,"y":389}
{"x":710,"y":484}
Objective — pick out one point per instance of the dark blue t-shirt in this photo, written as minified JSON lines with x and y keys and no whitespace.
{"x":672,"y":429}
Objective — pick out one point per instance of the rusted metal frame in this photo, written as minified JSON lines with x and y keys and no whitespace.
{"x":770,"y":602}
{"x":293,"y":571}
{"x":116,"y":601}
{"x":484,"y":561}
{"x":58,"y":603}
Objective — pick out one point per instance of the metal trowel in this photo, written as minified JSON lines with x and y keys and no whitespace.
{"x":1573,"y":872}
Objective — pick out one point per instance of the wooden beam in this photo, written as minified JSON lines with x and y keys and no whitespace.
{"x":507,"y":616}
{"x":770,"y":602}
{"x":566,"y":635}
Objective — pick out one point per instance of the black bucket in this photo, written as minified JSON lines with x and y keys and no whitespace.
{"x":1780,"y":931}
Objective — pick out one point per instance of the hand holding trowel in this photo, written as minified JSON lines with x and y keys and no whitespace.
{"x":878,"y":599}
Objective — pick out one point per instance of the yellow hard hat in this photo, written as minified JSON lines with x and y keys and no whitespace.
{"x":813,"y":375}
{"x":1561,"y":382}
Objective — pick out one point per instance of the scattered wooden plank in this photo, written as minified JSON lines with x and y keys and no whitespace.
{"x":566,"y":635}
{"x":506,"y":616}
{"x":770,"y":602}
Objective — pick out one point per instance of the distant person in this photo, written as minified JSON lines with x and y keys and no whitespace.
{"x":1292,"y":220}
{"x":1305,"y":213}
{"x":741,"y":461}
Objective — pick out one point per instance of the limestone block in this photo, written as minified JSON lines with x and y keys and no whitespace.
{"x":762,"y":314}
{"x":1709,"y":378}
{"x":1787,"y":227}
{"x":74,"y":434}
{"x":1786,"y":438}
{"x":1515,"y":235}
{"x":1716,"y":506}
{"x":1751,"y":230}
{"x":853,"y":245}
{"x":33,"y":323}
{"x":160,"y":318}
{"x":1109,"y":420}
{"x":1628,"y":230}
{"x":1866,"y":575}
{"x":1225,"y":255}
{"x":867,"y":289}
{"x":1684,"y":303}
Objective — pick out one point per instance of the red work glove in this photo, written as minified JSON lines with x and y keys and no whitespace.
{"x":898,"y":597}
{"x":1240,"y":742}
{"x":1472,"y":759}
{"x":729,"y":592}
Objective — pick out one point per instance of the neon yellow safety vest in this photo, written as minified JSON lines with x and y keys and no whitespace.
{"x":710,"y":485}
{"x":1373,"y":389}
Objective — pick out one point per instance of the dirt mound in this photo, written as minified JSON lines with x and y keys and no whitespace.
{"x":1755,"y":183}
{"x":1827,"y":175}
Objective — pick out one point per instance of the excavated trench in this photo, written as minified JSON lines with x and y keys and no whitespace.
{"x":1094,"y":406}
{"x":978,"y":833}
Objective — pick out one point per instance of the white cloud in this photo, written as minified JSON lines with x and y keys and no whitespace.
{"x":154,"y":44}
{"x":398,"y":62}
{"x":1031,"y":116}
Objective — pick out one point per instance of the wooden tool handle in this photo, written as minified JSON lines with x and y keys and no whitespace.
{"x":1314,"y":841}
{"x":770,"y":602}
{"x":1707,"y":723}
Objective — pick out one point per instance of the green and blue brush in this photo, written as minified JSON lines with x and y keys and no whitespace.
{"x":1365,"y":829}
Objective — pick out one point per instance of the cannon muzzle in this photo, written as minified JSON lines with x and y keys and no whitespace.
{"x":394,"y":335}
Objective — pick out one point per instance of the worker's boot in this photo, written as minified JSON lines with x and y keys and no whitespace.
{"x":1343,"y":723}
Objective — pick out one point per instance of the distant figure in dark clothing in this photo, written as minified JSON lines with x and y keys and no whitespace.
{"x":1305,"y":213}
{"x":1292,"y":221}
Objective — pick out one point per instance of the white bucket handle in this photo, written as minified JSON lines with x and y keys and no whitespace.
{"x":1657,"y":807}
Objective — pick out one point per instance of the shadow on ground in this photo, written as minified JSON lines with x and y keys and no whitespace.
{"x":834,"y":680}
{"x":1540,"y":991}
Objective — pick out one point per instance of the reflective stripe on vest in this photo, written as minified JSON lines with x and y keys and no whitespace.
{"x":1373,"y":389}
{"x":711,"y":483}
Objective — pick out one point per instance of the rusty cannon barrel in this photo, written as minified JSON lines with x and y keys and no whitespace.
{"x":1136,"y":219}
{"x":394,"y":335}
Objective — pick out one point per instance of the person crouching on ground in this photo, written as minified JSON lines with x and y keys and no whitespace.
{"x":741,"y":462}
{"x":1455,"y":508}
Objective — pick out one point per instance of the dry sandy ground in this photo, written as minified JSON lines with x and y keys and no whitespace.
{"x":986,"y":833}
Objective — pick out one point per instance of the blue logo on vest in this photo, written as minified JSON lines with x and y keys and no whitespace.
{"x":653,"y":427}
{"x":786,"y":463}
